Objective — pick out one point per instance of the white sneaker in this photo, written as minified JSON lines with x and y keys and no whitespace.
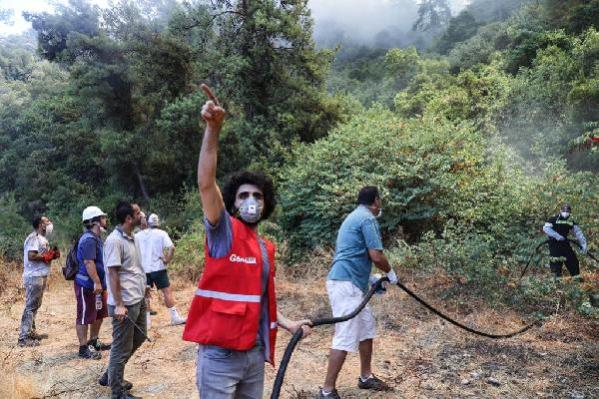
{"x":178,"y":320}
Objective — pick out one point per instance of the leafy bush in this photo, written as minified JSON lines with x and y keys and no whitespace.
{"x":416,"y":164}
{"x":14,"y":229}
{"x":189,"y":255}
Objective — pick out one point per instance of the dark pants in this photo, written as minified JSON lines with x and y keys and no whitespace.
{"x":126,"y":338}
{"x":34,"y":292}
{"x":563,"y":250}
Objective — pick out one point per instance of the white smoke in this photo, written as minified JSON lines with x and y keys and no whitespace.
{"x":366,"y":21}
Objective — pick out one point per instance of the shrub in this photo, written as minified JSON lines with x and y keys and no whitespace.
{"x":14,"y":229}
{"x":415,"y":164}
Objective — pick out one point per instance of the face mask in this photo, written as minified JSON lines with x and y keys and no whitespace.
{"x":250,"y":210}
{"x":565,"y":215}
{"x":49,"y":229}
{"x":378,"y":215}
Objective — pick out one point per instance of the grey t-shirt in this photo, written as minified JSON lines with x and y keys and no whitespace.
{"x":37,"y":243}
{"x":220,"y":239}
{"x":121,"y":250}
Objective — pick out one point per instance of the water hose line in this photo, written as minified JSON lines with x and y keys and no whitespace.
{"x":276,"y":390}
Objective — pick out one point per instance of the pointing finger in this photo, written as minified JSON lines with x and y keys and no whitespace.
{"x":209,"y":93}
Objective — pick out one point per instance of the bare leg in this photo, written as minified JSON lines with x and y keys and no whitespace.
{"x":95,"y":329}
{"x":366,"y":358}
{"x":336,"y":360}
{"x":82,"y":333}
{"x":169,"y":300}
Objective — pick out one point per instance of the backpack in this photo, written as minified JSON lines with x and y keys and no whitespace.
{"x":71,"y":266}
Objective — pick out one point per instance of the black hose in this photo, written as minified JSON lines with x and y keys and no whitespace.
{"x":457,"y":323}
{"x":276,"y":389}
{"x":278,"y":383}
{"x":531,"y":256}
{"x":588,"y":253}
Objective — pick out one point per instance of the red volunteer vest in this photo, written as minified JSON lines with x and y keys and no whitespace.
{"x":226,"y":308}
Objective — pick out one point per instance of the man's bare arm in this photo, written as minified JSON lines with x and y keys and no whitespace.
{"x":292,"y":326}
{"x":34,"y":256}
{"x":170,"y":252}
{"x":379,"y":259}
{"x":210,"y":195}
{"x":90,"y":266}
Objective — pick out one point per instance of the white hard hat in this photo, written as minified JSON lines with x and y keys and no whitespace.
{"x":153,"y":220}
{"x":92,"y":212}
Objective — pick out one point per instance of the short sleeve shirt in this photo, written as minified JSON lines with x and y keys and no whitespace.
{"x":152,"y":242}
{"x":90,"y":247}
{"x":121,"y":250}
{"x":358,"y":233}
{"x":38,"y":243}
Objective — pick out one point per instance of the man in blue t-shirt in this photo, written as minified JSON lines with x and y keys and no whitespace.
{"x":90,"y":284}
{"x":358,"y":245}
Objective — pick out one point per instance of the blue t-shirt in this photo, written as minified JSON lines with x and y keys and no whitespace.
{"x":220,"y":239}
{"x":90,"y":247}
{"x":359,"y":232}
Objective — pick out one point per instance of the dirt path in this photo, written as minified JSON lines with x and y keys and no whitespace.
{"x":421,"y":356}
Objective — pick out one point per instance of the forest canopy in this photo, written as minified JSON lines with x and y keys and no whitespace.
{"x":476,"y":125}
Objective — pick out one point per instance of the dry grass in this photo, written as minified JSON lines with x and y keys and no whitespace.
{"x":417,"y":353}
{"x":10,"y":278}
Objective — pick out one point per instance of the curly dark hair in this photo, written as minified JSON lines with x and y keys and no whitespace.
{"x":260,"y":180}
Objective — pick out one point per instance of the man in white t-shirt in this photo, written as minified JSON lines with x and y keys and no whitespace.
{"x":37,"y":256}
{"x":157,"y":250}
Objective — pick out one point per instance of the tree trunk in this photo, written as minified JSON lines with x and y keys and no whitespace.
{"x":142,"y":186}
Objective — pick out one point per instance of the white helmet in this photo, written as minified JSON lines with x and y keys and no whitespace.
{"x":92,"y":212}
{"x":153,"y":220}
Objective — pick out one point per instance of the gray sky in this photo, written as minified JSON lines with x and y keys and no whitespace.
{"x":363,"y":16}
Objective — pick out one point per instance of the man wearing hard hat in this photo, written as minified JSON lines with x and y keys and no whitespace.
{"x":90,"y":284}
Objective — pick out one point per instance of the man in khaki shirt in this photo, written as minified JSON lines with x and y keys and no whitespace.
{"x":126,"y":283}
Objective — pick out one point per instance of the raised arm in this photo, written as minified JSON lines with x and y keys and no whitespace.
{"x":210,"y":195}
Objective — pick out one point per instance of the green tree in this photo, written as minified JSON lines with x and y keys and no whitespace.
{"x":433,"y":15}
{"x":271,"y":75}
{"x":460,"y":28}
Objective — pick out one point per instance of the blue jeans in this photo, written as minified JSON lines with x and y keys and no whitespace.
{"x":228,"y":374}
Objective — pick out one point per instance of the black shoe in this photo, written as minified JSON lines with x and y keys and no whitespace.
{"x":127,"y":386}
{"x":28,"y":343}
{"x":374,"y":383}
{"x":88,"y":352}
{"x":332,"y":395}
{"x":98,"y":345}
{"x":153,"y":313}
{"x":37,"y":337}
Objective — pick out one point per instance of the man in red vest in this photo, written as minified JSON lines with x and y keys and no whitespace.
{"x":233,"y":315}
